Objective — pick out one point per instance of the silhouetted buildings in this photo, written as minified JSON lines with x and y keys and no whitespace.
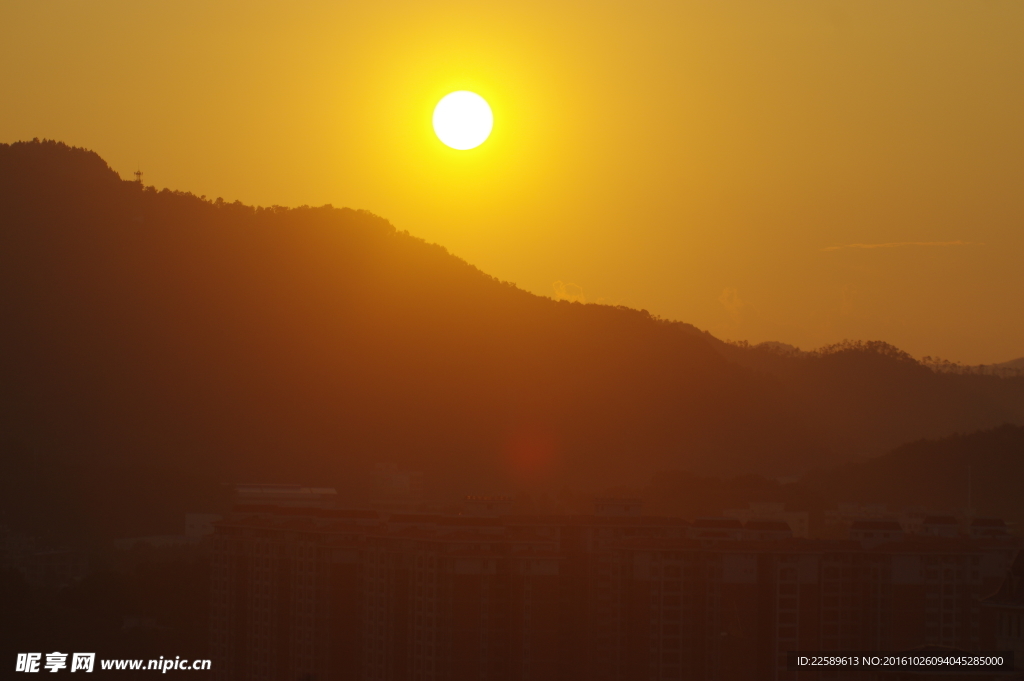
{"x":286,"y":495}
{"x":1004,"y":624}
{"x":39,"y":562}
{"x":307,"y":593}
{"x":796,"y":521}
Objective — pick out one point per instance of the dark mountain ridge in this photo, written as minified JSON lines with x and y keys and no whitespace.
{"x":155,"y":343}
{"x":978,"y":474}
{"x":869,"y":397}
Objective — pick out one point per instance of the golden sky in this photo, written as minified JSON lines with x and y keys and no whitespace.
{"x":794,"y":171}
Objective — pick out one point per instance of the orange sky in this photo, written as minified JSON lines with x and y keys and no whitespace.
{"x":793,"y":171}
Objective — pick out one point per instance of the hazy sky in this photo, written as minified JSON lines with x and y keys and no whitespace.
{"x":793,"y":171}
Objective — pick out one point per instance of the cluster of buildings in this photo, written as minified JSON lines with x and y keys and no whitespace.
{"x":39,"y":562}
{"x":300,"y":592}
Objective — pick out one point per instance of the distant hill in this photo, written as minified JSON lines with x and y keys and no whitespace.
{"x":156,"y":344}
{"x":985,"y":469}
{"x":867,"y":398}
{"x":941,"y":475}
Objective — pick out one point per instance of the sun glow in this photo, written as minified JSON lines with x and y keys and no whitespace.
{"x":463,"y":120}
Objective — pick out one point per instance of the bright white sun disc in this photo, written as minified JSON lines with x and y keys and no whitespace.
{"x":463,"y":120}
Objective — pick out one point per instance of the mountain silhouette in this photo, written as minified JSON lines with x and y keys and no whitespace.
{"x":980,"y":472}
{"x":866,"y":398}
{"x":977,"y":473}
{"x":156,"y":344}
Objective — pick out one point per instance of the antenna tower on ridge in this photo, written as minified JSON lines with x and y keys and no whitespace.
{"x":138,"y":176}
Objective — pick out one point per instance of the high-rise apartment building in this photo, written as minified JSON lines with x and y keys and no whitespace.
{"x":307,"y":593}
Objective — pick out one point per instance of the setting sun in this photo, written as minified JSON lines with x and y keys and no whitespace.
{"x":463,"y":120}
{"x":458,"y":339}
